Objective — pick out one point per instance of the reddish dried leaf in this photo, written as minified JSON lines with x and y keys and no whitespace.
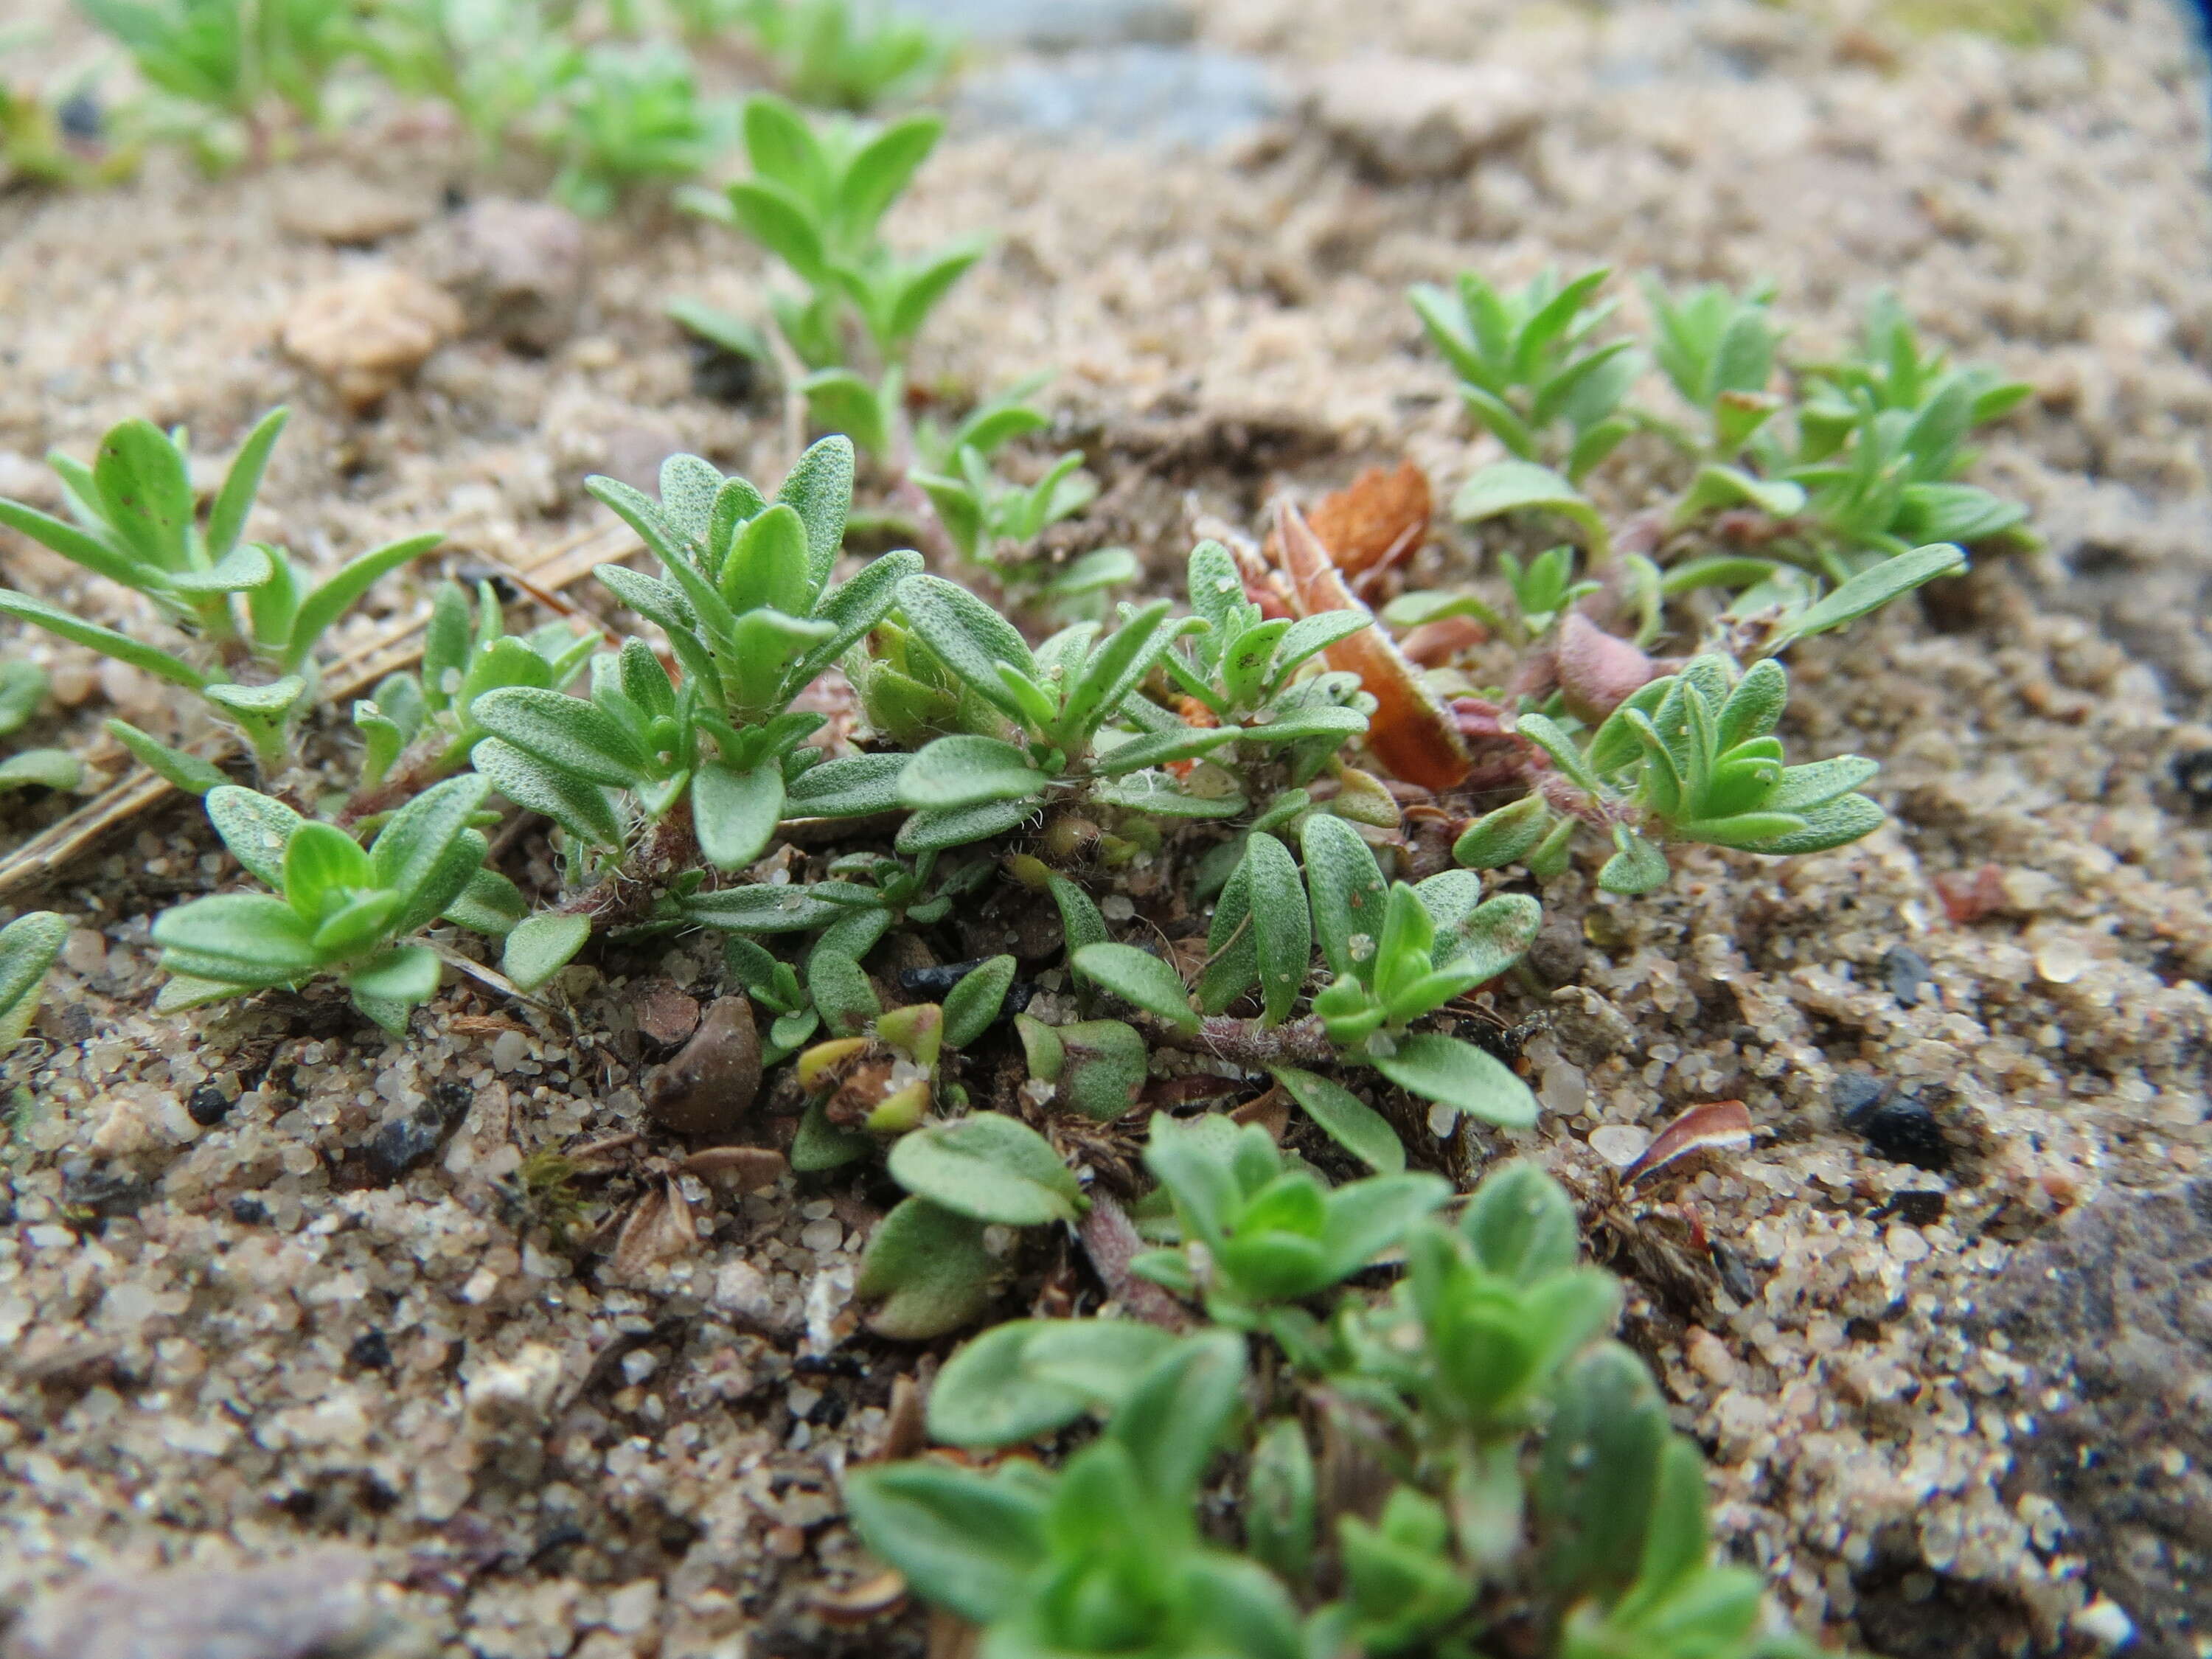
{"x":1716,"y":1126}
{"x":1376,"y":519}
{"x":1410,"y":733}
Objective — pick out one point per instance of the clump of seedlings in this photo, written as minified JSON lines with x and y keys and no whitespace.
{"x":1525,"y":1474}
{"x":1265,"y":753}
{"x":250,"y":621}
{"x":816,"y":199}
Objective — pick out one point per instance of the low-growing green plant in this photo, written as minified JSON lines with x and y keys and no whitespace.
{"x":848,"y":54}
{"x":992,"y":522}
{"x":28,"y":945}
{"x":22,"y":689}
{"x":231,"y":64}
{"x":629,"y":116}
{"x":1530,"y":1471}
{"x":1690,"y":757}
{"x":816,"y":200}
{"x":749,"y":612}
{"x":1261,"y":1233}
{"x":1050,"y":714}
{"x":419,"y":727}
{"x":1853,"y":461}
{"x":346,"y":910}
{"x":930,"y":1262}
{"x":137,"y":525}
{"x":1397,"y":954}
{"x":498,"y":63}
{"x":1244,"y":670}
{"x":1529,"y":371}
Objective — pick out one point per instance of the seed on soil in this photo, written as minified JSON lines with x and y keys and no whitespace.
{"x":709,"y":1086}
{"x":370,"y":1351}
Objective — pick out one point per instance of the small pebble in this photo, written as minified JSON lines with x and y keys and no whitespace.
{"x":370,"y":1351}
{"x":1855,"y":1093}
{"x":822,"y":1235}
{"x":709,"y":1086}
{"x":508,"y":1050}
{"x":1117,"y":907}
{"x":1620,"y":1144}
{"x":249,"y":1211}
{"x":208,"y":1105}
{"x":1906,"y":971}
{"x":2192,"y":776}
{"x":1904,"y":1131}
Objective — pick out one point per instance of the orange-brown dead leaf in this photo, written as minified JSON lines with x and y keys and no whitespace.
{"x":1410,"y":732}
{"x":1376,"y":519}
{"x":1716,"y":1126}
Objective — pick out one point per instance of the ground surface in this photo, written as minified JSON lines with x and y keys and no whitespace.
{"x":225,"y":1330}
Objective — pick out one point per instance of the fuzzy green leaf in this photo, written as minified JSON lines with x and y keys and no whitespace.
{"x":540,"y":946}
{"x":407,"y":976}
{"x":1462,"y":1076}
{"x":930,"y":1267}
{"x":1348,"y":1120}
{"x":1871,"y":589}
{"x":964,"y":771}
{"x":1523,"y":487}
{"x":939,"y":829}
{"x":44,"y":768}
{"x":735,"y":812}
{"x":568,"y":734}
{"x":969,"y":1542}
{"x":106,"y":640}
{"x":583,"y":808}
{"x":415,"y":842}
{"x":1031,"y":1377}
{"x":1348,"y":894}
{"x":1137,"y":976}
{"x":255,"y":828}
{"x":972,"y":1005}
{"x":243,"y":939}
{"x":988,"y":1166}
{"x":326,"y":603}
{"x":28,"y":945}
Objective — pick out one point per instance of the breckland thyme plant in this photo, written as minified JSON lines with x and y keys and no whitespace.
{"x":1273,"y":753}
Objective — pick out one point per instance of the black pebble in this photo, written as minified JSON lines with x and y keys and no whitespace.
{"x":937,"y":983}
{"x":1921,"y":1209}
{"x":248,"y":1213}
{"x":1906,"y":971}
{"x":719,"y":376}
{"x":1904,"y":1131}
{"x":404,"y":1142}
{"x":207,"y":1106}
{"x":2192,"y":776}
{"x":81,"y":117}
{"x":1854,"y":1094}
{"x":369,"y":1351}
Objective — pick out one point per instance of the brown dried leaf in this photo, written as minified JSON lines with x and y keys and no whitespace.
{"x":1716,"y":1126}
{"x":659,"y":1229}
{"x":1411,"y":732}
{"x":1376,"y":519}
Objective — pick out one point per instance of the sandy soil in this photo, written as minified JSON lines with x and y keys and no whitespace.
{"x":226,"y":1329}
